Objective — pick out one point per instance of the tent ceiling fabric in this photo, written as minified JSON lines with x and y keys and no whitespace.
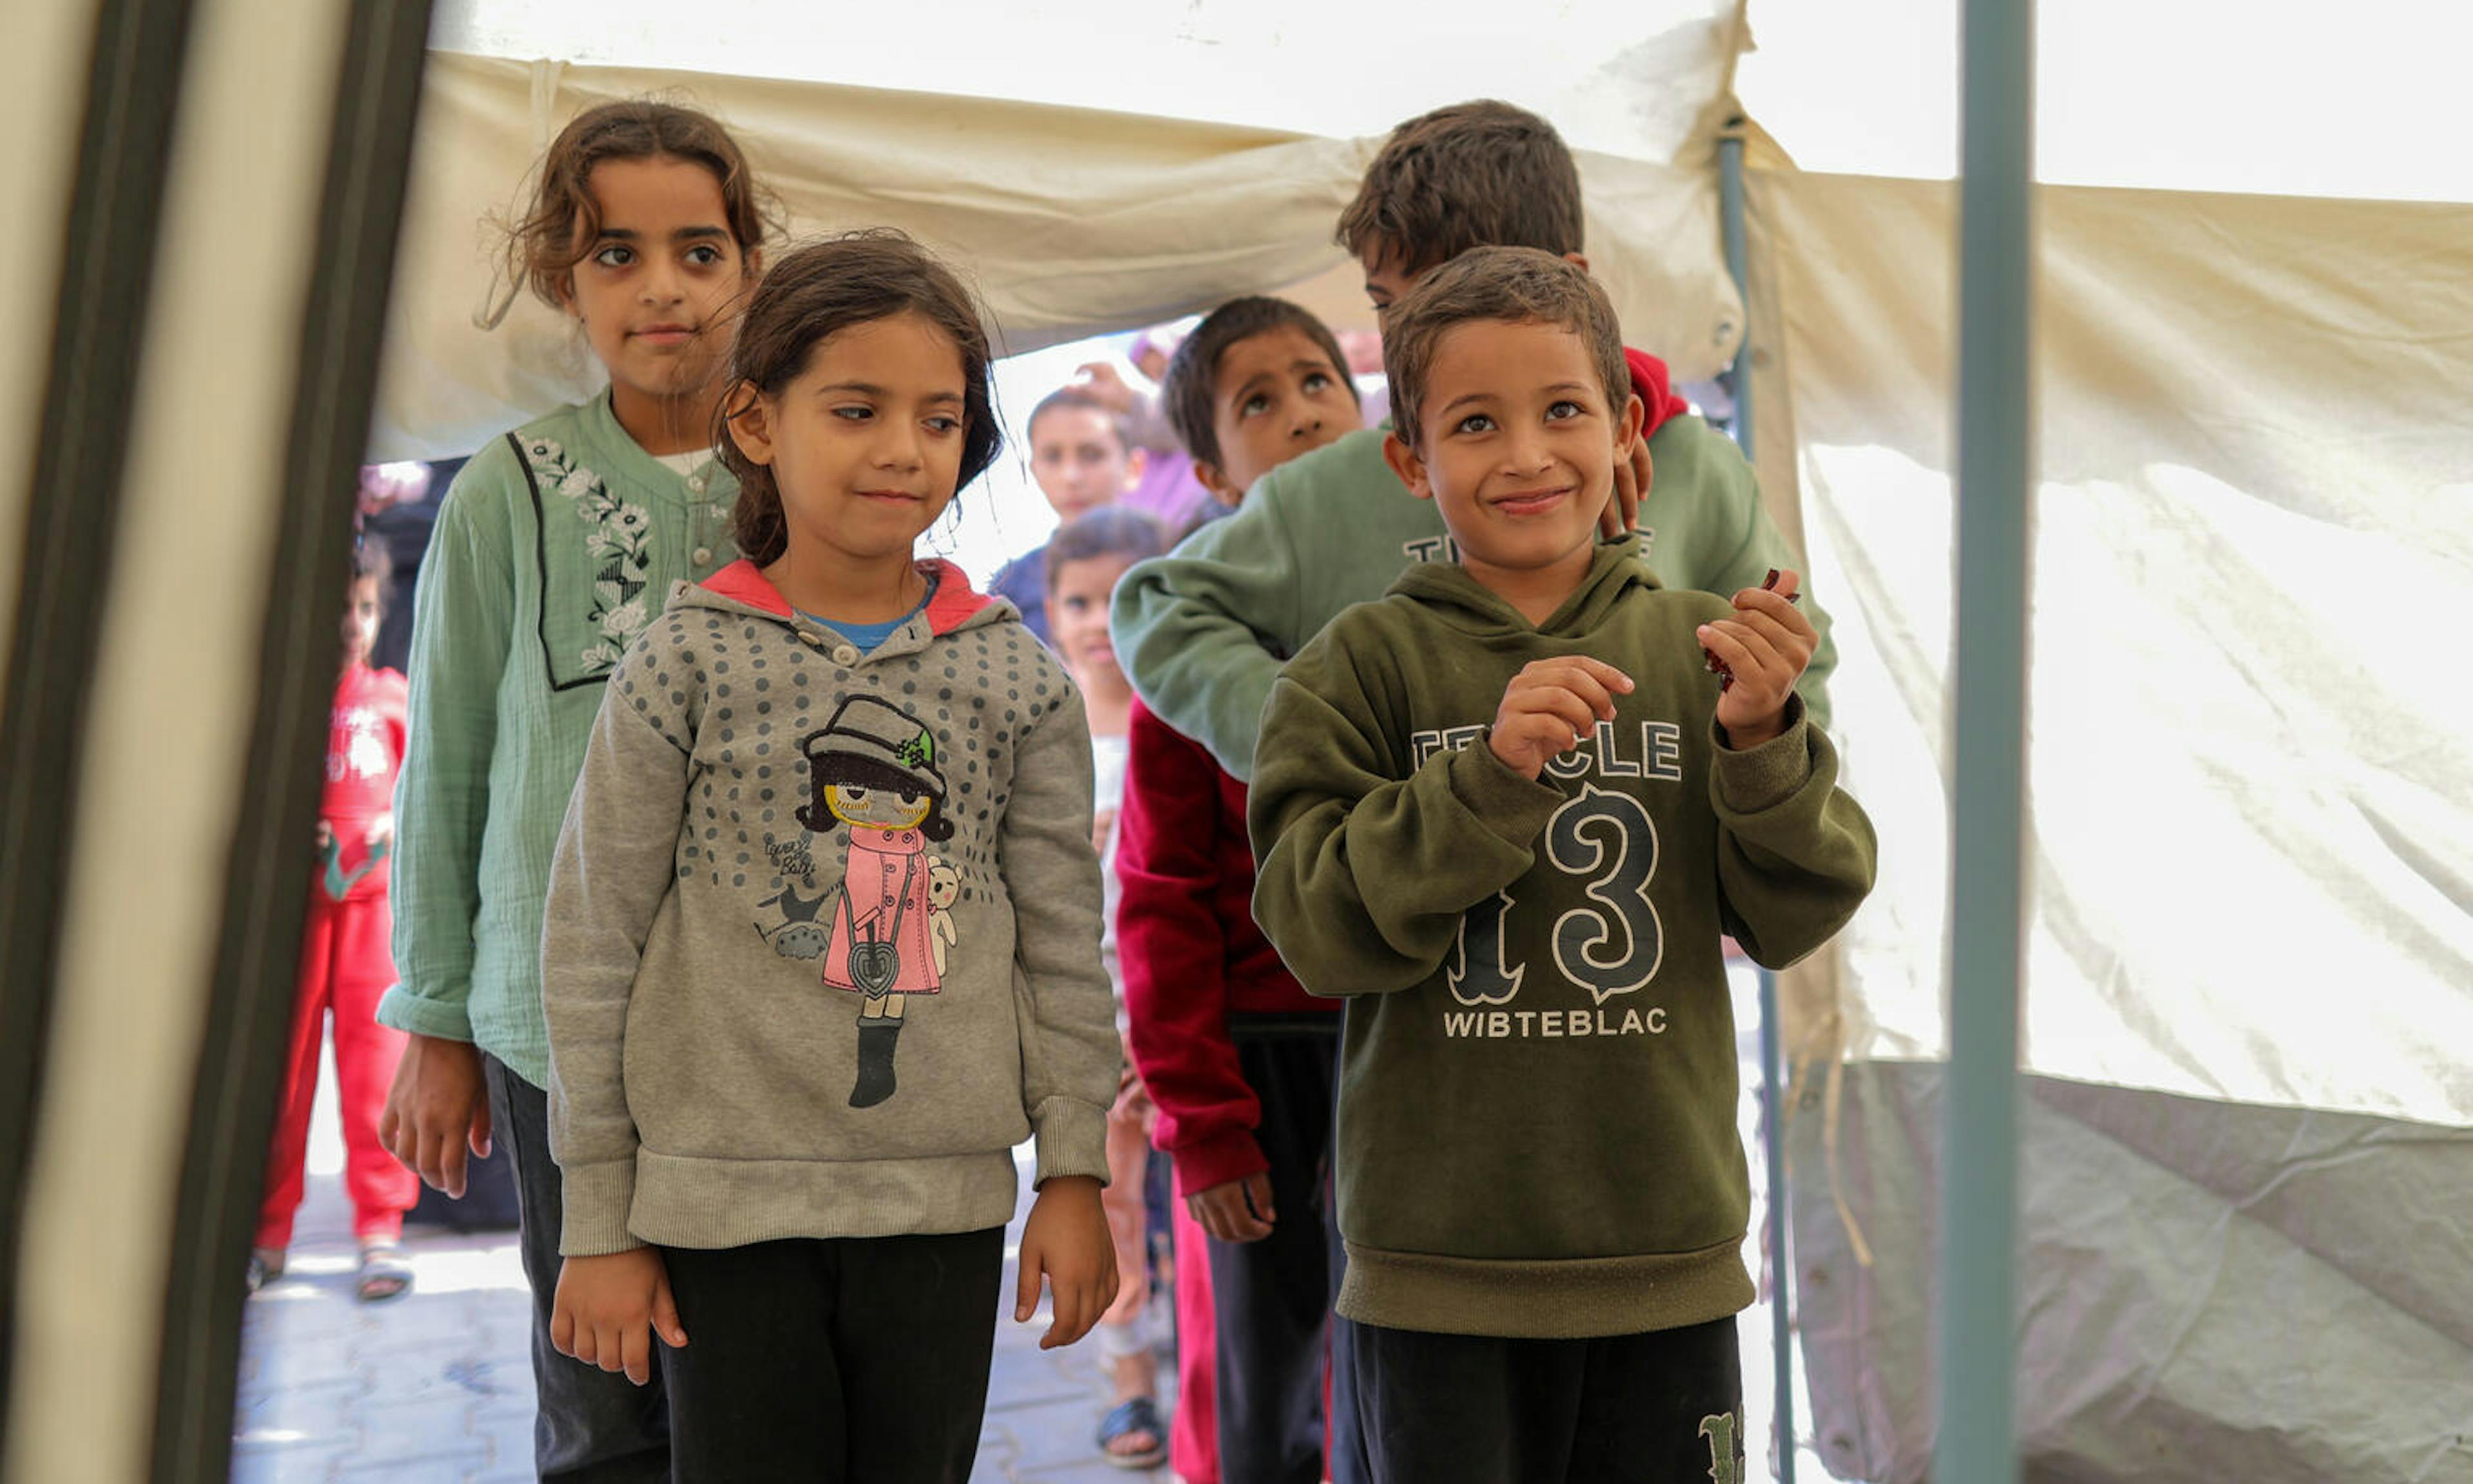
{"x":1620,"y":77}
{"x":1071,"y":221}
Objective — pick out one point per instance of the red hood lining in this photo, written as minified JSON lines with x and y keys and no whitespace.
{"x":954,"y":602}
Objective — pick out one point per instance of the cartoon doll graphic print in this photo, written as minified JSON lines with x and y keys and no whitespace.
{"x":874,"y":769}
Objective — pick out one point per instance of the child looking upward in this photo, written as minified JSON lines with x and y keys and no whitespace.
{"x":1509,"y":813}
{"x":1238,"y":1058}
{"x":823,"y":936}
{"x":1082,"y":459}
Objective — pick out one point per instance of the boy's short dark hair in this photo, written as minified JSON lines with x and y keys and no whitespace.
{"x":1512,"y":285}
{"x":1110,"y":531}
{"x":1076,"y":397}
{"x":1474,"y":174}
{"x":1190,"y":390}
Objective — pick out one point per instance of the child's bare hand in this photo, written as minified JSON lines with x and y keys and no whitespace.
{"x":1107,"y":386}
{"x":608,"y":1308}
{"x":1763,"y":648}
{"x":1064,"y":1240}
{"x":1550,"y":706}
{"x":438,"y":1107}
{"x":1621,"y":516}
{"x":1235,"y":1210}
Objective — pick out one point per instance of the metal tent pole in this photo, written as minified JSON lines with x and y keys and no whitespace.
{"x":1730,"y":178}
{"x":1975,"y":1441}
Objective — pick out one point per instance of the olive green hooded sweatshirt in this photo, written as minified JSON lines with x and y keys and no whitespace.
{"x":1538,"y":1082}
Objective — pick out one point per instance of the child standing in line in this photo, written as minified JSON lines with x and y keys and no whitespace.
{"x":554,"y":548}
{"x":1508,"y":814}
{"x":1199,"y":627}
{"x":784,"y":1095}
{"x":1085,"y":558}
{"x":1238,"y":1058}
{"x":344,"y":962}
{"x":1082,"y":458}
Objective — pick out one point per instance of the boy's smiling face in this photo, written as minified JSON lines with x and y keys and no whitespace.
{"x":1517,"y":444}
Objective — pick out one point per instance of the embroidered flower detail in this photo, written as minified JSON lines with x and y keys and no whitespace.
{"x":618,"y":537}
{"x":623,"y":621}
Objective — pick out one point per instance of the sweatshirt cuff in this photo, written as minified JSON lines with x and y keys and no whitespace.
{"x":1072,"y":1138}
{"x":598,"y":1198}
{"x":444,"y":1019}
{"x":1216,"y":1160}
{"x":1767,"y":776}
{"x":1515,"y":809}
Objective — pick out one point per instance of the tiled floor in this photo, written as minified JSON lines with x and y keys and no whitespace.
{"x":436,"y":1386}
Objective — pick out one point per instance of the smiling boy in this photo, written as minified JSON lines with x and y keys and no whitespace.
{"x":1202,"y":630}
{"x":1509,"y":813}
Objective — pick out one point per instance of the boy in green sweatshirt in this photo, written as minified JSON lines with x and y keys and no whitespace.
{"x":1201,"y":630}
{"x":1509,"y":812}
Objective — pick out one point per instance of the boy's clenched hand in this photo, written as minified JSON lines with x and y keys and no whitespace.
{"x":1763,"y":648}
{"x":1550,"y":706}
{"x":1235,"y":1210}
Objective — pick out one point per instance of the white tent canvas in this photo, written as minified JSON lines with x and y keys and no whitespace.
{"x":2252,"y":887}
{"x":2250,"y":957}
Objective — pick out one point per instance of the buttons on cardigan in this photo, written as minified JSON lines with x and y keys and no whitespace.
{"x":703,"y":555}
{"x":843,"y":654}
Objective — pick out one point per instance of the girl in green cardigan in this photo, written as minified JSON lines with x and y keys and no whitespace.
{"x":554,"y":549}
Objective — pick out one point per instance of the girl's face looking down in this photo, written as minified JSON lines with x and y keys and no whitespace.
{"x":657,"y":292}
{"x":865,"y":444}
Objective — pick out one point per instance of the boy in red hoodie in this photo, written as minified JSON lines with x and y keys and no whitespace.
{"x":1238,"y":1056}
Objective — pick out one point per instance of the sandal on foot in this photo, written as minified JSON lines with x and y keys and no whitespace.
{"x":265,"y":1266}
{"x":384,"y":1273}
{"x":1139,"y":1415}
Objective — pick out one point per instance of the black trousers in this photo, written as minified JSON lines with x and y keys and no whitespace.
{"x":590,"y":1426}
{"x":1272,"y":1298}
{"x":1665,"y":1408}
{"x":862,"y":1360}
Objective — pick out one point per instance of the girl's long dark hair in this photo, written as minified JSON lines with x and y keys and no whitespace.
{"x":812,"y":294}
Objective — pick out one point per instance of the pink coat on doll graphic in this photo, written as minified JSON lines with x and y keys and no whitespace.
{"x":873,"y":769}
{"x":884,"y":901}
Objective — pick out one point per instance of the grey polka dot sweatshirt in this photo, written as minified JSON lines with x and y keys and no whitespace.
{"x":823,"y":932}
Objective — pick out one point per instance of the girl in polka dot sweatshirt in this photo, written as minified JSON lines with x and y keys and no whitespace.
{"x":822,"y":938}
